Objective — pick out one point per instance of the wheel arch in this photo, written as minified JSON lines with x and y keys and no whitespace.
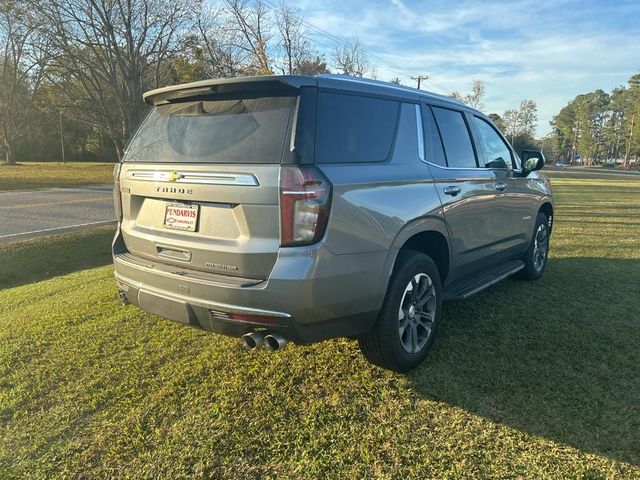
{"x":426,"y":235}
{"x":547,"y":209}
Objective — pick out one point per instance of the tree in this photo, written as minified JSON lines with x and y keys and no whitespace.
{"x":23,"y":57}
{"x":107,"y":53}
{"x":527,"y":117}
{"x":511,"y":124}
{"x":218,"y":50}
{"x":312,"y":66}
{"x":350,"y":58}
{"x":497,"y":119}
{"x":292,"y":39}
{"x":473,"y":99}
{"x":254,"y":24}
{"x":520,"y":125}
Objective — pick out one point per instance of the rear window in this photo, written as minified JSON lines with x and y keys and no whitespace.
{"x":352,"y":128}
{"x":240,"y":130}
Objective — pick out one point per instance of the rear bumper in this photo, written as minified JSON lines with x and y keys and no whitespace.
{"x":311,"y":294}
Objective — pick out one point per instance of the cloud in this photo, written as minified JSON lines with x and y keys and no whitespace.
{"x":548,"y":51}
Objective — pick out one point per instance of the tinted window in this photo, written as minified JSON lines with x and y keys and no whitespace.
{"x":435,"y":152}
{"x":496,"y":152}
{"x":242,"y":130}
{"x":352,"y":128}
{"x":455,"y":137}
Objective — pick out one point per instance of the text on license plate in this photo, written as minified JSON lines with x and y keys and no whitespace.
{"x":181,"y":216}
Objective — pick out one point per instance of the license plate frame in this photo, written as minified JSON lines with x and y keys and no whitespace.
{"x":178,"y":216}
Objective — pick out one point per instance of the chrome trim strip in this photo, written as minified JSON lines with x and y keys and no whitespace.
{"x":420,"y":133}
{"x":204,"y":178}
{"x":222,"y":307}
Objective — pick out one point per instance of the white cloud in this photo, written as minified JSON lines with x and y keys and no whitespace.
{"x":521,"y":49}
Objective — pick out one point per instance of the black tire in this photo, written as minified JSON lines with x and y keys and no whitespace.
{"x":533,"y":264}
{"x":385,"y":345}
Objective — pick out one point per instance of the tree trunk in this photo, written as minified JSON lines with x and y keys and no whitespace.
{"x":8,"y":154}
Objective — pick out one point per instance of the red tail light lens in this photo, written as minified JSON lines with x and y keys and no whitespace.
{"x":117,"y":195}
{"x":305,"y":201}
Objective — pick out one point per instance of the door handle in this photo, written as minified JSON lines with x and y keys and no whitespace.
{"x":453,"y":191}
{"x":501,"y":187}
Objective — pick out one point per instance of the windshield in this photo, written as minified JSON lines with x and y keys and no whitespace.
{"x":239,"y":130}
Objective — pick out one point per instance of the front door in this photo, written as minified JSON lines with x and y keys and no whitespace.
{"x":514,"y":199}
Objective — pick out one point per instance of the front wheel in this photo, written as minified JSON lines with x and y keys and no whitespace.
{"x":536,"y":257}
{"x":409,"y":317}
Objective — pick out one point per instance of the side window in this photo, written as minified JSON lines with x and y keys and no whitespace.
{"x":496,"y":153}
{"x":352,"y":128}
{"x":455,"y":138}
{"x":435,"y":151}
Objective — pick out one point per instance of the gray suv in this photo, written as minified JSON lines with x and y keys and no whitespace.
{"x":299,"y":208}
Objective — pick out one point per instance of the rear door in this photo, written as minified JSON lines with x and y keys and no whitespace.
{"x":199,"y":183}
{"x":467,"y":192}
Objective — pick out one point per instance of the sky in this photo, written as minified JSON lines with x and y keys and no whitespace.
{"x":546,"y":51}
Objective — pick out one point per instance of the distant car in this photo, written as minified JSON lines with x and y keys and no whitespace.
{"x":298,"y":208}
{"x":559,"y":165}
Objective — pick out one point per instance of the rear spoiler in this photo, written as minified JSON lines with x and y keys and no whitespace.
{"x":160,"y":96}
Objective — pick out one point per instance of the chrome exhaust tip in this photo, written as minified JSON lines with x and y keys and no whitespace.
{"x":122,"y":297}
{"x":252,"y":340}
{"x":274,"y":341}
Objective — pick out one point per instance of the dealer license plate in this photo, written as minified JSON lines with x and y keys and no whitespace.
{"x":181,"y":216}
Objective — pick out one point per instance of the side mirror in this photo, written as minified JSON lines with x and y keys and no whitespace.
{"x":532,"y":160}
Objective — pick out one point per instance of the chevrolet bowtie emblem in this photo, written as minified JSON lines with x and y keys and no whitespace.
{"x":173,"y":176}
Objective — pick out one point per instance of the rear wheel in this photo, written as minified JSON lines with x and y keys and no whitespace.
{"x":409,"y":317}
{"x":536,"y":257}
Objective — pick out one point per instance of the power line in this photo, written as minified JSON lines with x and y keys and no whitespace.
{"x":319,"y":31}
{"x":397,"y":70}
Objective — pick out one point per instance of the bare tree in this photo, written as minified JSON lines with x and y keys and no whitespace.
{"x":511,"y":124}
{"x":350,"y":58}
{"x":108,"y":52}
{"x":254,"y":24}
{"x":292,"y":39}
{"x":473,"y":99}
{"x":225,"y":54}
{"x":23,"y":57}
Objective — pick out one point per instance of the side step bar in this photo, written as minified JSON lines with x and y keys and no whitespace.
{"x":470,"y":286}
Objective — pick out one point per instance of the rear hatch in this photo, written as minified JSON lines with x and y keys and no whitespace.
{"x":199,"y":180}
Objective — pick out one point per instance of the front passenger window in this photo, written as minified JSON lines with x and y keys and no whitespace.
{"x":496,"y":152}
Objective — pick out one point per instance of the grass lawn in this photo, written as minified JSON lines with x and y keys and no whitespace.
{"x":24,"y":176}
{"x":526,"y":380}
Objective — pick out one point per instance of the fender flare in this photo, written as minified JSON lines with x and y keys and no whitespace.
{"x":420,"y":225}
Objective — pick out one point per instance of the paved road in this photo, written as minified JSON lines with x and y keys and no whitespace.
{"x":28,"y":214}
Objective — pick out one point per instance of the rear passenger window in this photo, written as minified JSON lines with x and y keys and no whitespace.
{"x":435,"y":152}
{"x":353,"y":128}
{"x":455,"y":137}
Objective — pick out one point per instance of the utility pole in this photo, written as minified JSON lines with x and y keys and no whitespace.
{"x":61,"y":137}
{"x":419,"y":78}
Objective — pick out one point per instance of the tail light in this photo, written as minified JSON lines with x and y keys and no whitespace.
{"x":117,"y":196}
{"x":305,"y":200}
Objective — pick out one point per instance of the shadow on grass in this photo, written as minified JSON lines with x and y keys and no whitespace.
{"x":46,"y":257}
{"x":557,"y":358}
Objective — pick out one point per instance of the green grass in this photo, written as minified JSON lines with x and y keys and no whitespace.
{"x":526,"y":380}
{"x":25,"y":176}
{"x":45,"y":257}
